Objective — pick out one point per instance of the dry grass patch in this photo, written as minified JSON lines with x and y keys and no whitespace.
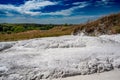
{"x":56,"y":31}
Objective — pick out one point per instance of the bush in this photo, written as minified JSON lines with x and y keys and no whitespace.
{"x":19,"y":29}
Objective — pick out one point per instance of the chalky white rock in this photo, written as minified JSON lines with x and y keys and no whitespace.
{"x":55,"y":57}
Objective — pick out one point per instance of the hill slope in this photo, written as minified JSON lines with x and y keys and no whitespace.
{"x":56,"y":31}
{"x":105,"y":25}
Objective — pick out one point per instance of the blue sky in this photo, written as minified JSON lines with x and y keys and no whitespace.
{"x":55,"y":11}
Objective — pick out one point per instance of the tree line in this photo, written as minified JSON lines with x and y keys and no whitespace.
{"x":15,"y":28}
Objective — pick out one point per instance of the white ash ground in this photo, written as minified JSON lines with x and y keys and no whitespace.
{"x":56,"y":57}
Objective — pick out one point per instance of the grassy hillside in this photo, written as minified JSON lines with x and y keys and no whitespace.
{"x":106,"y":25}
{"x":56,"y":31}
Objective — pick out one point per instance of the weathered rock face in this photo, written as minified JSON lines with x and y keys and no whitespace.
{"x":56,"y":57}
{"x":5,"y":45}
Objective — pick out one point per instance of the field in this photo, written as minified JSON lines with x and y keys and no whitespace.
{"x":56,"y":31}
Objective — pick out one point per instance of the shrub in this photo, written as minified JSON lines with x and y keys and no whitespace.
{"x":19,"y":29}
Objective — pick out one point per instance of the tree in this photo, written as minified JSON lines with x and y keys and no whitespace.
{"x":19,"y":29}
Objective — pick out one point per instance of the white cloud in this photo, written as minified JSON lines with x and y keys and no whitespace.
{"x":7,"y":7}
{"x":69,"y":11}
{"x":108,"y":1}
{"x":62,"y":12}
{"x":104,"y":3}
{"x":33,"y":5}
{"x":80,"y":3}
{"x":76,"y":3}
{"x":28,"y":6}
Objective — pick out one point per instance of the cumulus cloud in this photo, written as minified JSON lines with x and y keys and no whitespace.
{"x":28,"y":6}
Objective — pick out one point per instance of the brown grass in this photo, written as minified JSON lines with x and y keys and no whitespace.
{"x":56,"y":31}
{"x":105,"y":25}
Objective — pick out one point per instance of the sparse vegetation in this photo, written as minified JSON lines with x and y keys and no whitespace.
{"x":105,"y":25}
{"x":15,"y":28}
{"x":56,"y":31}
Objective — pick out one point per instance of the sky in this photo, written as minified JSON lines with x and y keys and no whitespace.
{"x":55,"y":11}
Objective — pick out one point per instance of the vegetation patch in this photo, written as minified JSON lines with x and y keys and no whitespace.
{"x":56,"y":31}
{"x":104,"y":25}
